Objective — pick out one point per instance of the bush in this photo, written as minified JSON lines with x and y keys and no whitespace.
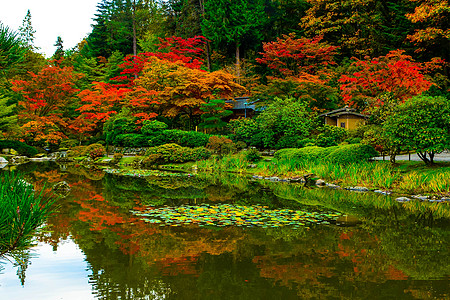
{"x":221,"y":145}
{"x":241,"y":145}
{"x":353,"y":153}
{"x":131,"y":140}
{"x":173,"y":153}
{"x":353,"y":140}
{"x":21,"y":148}
{"x":77,"y":151}
{"x":325,"y":141}
{"x":307,"y":153}
{"x":180,"y":137}
{"x":152,"y":127}
{"x":337,"y":154}
{"x":94,"y":151}
{"x":253,"y":155}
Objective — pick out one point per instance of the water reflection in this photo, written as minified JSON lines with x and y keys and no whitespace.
{"x":387,"y":255}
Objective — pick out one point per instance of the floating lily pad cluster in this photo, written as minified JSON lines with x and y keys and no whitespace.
{"x":233,"y":215}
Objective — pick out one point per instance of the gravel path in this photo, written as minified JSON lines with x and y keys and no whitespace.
{"x":444,"y":156}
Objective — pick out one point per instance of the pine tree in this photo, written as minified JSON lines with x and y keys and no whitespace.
{"x":26,"y":32}
{"x":59,"y":53}
{"x":233,"y":22}
{"x":11,"y":51}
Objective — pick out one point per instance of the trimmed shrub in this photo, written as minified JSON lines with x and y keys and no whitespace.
{"x":180,"y":137}
{"x":131,"y":140}
{"x":352,"y":153}
{"x":307,"y":153}
{"x":173,"y":153}
{"x":152,"y":127}
{"x":94,"y":151}
{"x":343,"y":154}
{"x":325,"y":141}
{"x":21,"y":148}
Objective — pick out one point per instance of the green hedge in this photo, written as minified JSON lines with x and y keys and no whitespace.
{"x":21,"y":148}
{"x":351,"y":153}
{"x":173,"y":153}
{"x":337,"y":154}
{"x":131,"y":140}
{"x":180,"y":137}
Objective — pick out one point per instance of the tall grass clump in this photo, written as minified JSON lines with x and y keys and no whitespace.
{"x":428,"y":182}
{"x":22,"y":211}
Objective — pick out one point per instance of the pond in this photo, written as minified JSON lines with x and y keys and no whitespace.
{"x":179,"y":236}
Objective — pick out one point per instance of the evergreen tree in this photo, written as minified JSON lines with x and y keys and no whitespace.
{"x":11,"y":51}
{"x":118,"y":25}
{"x":233,"y":22}
{"x":27,"y":32}
{"x":59,"y":53}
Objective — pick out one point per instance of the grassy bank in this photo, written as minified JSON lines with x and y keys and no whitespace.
{"x":405,"y":177}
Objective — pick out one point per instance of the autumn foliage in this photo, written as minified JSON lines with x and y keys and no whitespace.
{"x":395,"y":73}
{"x":46,"y":97}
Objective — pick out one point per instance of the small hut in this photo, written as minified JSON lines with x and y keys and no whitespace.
{"x":345,"y":117}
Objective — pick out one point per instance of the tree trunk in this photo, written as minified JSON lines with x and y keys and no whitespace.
{"x":208,"y":56}
{"x":208,"y":48}
{"x":134,"y":28}
{"x":238,"y":63}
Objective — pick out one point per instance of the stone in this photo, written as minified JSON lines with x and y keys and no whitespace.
{"x":252,"y":166}
{"x":445,"y":199}
{"x":332,"y":186}
{"x":3,"y":160}
{"x":320,"y":182}
{"x":358,"y":189}
{"x":17,"y":160}
{"x":420,"y":197}
{"x":382,"y":192}
{"x":402,"y":199}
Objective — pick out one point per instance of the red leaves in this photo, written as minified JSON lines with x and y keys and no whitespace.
{"x":395,"y":73}
{"x":291,"y":56}
{"x":45,"y":97}
{"x":187,"y":51}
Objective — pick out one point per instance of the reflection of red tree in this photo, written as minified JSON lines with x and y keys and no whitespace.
{"x":179,"y":265}
{"x":288,"y":273}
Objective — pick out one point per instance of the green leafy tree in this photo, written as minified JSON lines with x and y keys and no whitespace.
{"x":285,"y":119}
{"x":421,"y":124}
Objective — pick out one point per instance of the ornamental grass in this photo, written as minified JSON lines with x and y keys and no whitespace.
{"x":22,"y":212}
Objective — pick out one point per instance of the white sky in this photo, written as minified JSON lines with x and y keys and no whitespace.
{"x":70,"y":19}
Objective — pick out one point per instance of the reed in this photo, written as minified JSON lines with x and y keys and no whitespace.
{"x":22,"y":211}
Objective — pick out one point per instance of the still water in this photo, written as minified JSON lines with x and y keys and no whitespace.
{"x":359,"y":245}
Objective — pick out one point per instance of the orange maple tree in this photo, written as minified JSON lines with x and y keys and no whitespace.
{"x":98,"y":104}
{"x":46,"y":96}
{"x":182,"y":90}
